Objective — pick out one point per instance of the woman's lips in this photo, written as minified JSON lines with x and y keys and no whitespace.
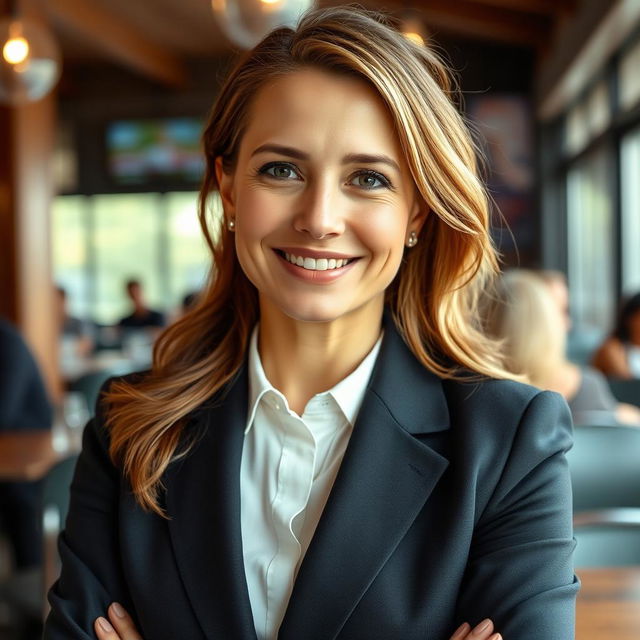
{"x":319,"y":269}
{"x":316,"y":264}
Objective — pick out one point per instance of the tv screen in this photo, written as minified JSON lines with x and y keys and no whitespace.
{"x":156,"y":150}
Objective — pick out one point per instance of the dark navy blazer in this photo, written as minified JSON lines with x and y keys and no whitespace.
{"x":452,"y":503}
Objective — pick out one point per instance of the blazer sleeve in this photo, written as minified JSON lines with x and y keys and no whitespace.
{"x":91,"y":577}
{"x":520,"y":569}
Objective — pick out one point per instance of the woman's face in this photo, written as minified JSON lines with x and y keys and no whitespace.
{"x":322,"y":199}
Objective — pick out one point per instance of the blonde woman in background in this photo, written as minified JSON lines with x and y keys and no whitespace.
{"x":327,"y":446}
{"x":530,"y":316}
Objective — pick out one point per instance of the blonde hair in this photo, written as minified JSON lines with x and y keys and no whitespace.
{"x":435,"y":294}
{"x":526,"y":318}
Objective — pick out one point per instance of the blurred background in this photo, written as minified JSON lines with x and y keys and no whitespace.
{"x":98,"y":177}
{"x":102,"y":104}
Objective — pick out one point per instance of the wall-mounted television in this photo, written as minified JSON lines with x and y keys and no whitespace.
{"x":154,"y":151}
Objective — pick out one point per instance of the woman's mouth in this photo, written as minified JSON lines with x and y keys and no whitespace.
{"x":315,"y":264}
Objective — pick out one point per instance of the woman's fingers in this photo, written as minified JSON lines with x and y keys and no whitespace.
{"x":482,"y":631}
{"x":104,"y":630}
{"x":461,"y":632}
{"x":119,"y":626}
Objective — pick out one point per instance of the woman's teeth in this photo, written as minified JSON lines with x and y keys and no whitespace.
{"x":319,"y":264}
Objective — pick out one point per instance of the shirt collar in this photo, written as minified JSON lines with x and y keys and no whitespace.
{"x":348,"y":393}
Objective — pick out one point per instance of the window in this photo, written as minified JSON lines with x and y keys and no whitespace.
{"x":101,"y":241}
{"x":630,"y":182}
{"x":590,"y":238}
{"x":629,"y":78}
{"x":69,"y":244}
{"x":189,"y":255}
{"x":587,"y":119}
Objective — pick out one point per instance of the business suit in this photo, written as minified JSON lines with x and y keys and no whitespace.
{"x":452,"y":503}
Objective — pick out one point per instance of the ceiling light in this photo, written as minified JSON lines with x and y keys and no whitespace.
{"x":412,"y":27}
{"x":246,"y":22}
{"x":30,"y":62}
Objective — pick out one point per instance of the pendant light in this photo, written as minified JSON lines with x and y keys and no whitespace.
{"x":30,"y":61}
{"x":246,"y":22}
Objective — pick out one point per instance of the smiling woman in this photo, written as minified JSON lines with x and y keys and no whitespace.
{"x":327,"y":445}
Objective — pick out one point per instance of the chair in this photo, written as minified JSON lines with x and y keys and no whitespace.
{"x":609,"y":538}
{"x":605,"y":467}
{"x":89,"y":385}
{"x":55,"y":505}
{"x":625,"y":390}
{"x":26,"y":591}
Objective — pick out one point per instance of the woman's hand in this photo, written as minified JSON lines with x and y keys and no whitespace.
{"x":482,"y":631}
{"x":119,"y":626}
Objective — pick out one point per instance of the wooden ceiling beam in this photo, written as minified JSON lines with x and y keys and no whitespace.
{"x":540,"y":7}
{"x":472,"y":19}
{"x":121,"y":41}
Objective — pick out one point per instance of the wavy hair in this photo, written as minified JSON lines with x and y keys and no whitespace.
{"x":433,"y":299}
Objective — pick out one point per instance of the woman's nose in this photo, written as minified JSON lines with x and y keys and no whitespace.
{"x":321,"y":213}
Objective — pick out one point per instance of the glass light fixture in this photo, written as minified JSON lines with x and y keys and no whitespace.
{"x":30,"y":61}
{"x":412,"y":27}
{"x":246,"y":22}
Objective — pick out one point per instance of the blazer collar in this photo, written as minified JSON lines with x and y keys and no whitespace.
{"x":203,"y":504}
{"x":386,"y":477}
{"x":412,"y":394}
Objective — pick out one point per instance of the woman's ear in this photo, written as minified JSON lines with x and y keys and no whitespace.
{"x":419,"y":214}
{"x":225,"y":187}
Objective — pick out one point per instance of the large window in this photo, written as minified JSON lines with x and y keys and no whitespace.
{"x":591,"y":241}
{"x":591,"y":190}
{"x":630,"y":183}
{"x":101,"y":241}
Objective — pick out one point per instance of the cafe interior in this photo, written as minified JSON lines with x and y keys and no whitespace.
{"x":99,"y":176}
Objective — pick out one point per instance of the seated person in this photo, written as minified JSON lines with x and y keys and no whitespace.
{"x":76,"y":335}
{"x":142,"y":317}
{"x":533,"y":326}
{"x":619,"y":355}
{"x":23,"y":405}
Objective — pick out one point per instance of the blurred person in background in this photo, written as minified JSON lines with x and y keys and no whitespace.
{"x":142,"y":317}
{"x":619,"y":355}
{"x":76,"y":333}
{"x":189,"y":301}
{"x":531,"y":319}
{"x":24,"y":405}
{"x":556,"y":283}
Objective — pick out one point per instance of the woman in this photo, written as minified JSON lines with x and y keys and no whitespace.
{"x":528,"y":317}
{"x":619,"y":355}
{"x":301,"y":463}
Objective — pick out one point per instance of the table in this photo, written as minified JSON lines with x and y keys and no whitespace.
{"x":28,"y":455}
{"x":609,"y":604}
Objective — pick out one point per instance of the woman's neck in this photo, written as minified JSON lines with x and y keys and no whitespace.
{"x":302,"y":359}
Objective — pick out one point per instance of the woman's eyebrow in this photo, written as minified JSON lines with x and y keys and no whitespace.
{"x":365,"y":158}
{"x":352,"y":158}
{"x":291,"y":152}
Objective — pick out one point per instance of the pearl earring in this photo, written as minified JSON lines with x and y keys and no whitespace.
{"x":231,"y":225}
{"x":413,"y":239}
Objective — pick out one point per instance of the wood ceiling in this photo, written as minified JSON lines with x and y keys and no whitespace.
{"x":157,"y":37}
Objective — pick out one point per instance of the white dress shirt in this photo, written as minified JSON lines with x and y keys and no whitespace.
{"x":289,"y":464}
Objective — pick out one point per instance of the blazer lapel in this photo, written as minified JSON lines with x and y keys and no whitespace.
{"x":203,"y":502}
{"x":385,"y":478}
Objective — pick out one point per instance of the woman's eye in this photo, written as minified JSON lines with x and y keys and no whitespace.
{"x":280,"y":171}
{"x":370,"y":180}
